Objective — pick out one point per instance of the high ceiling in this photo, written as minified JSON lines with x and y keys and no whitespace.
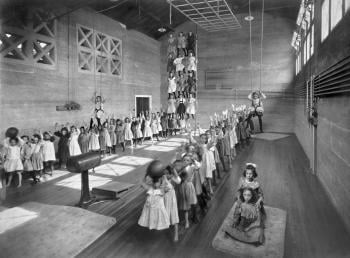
{"x":147,"y":16}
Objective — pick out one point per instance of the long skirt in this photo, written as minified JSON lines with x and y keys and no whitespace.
{"x":187,"y":196}
{"x":37,"y":161}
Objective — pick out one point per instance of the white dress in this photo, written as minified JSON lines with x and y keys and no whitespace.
{"x":191,"y":109}
{"x":13,"y":161}
{"x":74,"y":147}
{"x":94,"y":144}
{"x":208,"y":162}
{"x":171,"y":84}
{"x":178,"y":63}
{"x":154,"y":214}
{"x":147,"y":131}
{"x":170,"y":200}
{"x":128,"y":133}
{"x":159,"y":125}
{"x":171,"y":106}
{"x":48,"y":151}
{"x":192,"y":66}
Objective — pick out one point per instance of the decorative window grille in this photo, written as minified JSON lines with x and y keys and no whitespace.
{"x":30,"y":41}
{"x":98,"y":52}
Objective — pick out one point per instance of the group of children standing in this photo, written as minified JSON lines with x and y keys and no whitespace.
{"x":182,"y":83}
{"x":187,"y":183}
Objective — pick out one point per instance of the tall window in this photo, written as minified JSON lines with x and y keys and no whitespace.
{"x":325,"y":20}
{"x":336,"y":12}
{"x":332,"y":12}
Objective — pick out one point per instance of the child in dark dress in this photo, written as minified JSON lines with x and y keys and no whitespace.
{"x":63,"y":147}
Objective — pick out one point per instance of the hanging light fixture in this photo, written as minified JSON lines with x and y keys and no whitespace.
{"x":249,"y":18}
{"x":162,"y":29}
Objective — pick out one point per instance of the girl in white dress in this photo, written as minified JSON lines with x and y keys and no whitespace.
{"x":171,"y":85}
{"x":74,"y":148}
{"x":171,"y":106}
{"x":169,"y":179}
{"x":49,"y":156}
{"x":13,"y":163}
{"x":154,"y":214}
{"x":179,"y":65}
{"x":154,"y":126}
{"x":147,"y":131}
{"x":192,"y":63}
{"x":37,"y":156}
{"x":128,"y":133}
{"x":191,"y":106}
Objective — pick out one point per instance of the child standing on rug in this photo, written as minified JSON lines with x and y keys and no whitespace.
{"x":170,"y":178}
{"x":13,"y":163}
{"x":49,"y":156}
{"x":154,"y":214}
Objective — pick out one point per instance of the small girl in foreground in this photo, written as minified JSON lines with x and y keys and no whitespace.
{"x":13,"y":163}
{"x":248,"y":225}
{"x":249,"y":180}
{"x":169,"y":179}
{"x":154,"y":214}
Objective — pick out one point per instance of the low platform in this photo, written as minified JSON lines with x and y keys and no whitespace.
{"x":111,"y":190}
{"x":274,"y":237}
{"x":40,"y":230}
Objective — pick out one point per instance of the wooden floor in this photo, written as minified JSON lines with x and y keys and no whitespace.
{"x":314,"y":229}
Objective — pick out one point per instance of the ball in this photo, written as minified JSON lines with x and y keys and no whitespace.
{"x":155,"y":169}
{"x":11,"y":132}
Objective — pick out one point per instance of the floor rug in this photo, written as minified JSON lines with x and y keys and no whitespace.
{"x":274,"y":237}
{"x":41,"y":230}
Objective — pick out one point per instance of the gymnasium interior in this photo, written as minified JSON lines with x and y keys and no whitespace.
{"x":87,"y":64}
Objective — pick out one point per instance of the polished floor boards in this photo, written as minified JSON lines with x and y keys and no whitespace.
{"x":314,"y":228}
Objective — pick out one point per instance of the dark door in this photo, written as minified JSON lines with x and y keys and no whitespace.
{"x":142,"y":104}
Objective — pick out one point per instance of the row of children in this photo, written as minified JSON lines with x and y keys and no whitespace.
{"x":182,"y":106}
{"x":188,"y":181}
{"x":182,"y":44}
{"x":183,"y":84}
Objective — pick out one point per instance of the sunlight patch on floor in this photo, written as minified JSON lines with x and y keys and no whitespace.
{"x":132,"y":160}
{"x":113,"y":169}
{"x":75,"y":181}
{"x":15,"y":217}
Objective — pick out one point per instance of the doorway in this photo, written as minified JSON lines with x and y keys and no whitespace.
{"x":142,"y":103}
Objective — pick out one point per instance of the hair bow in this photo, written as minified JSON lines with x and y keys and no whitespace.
{"x":251,"y":164}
